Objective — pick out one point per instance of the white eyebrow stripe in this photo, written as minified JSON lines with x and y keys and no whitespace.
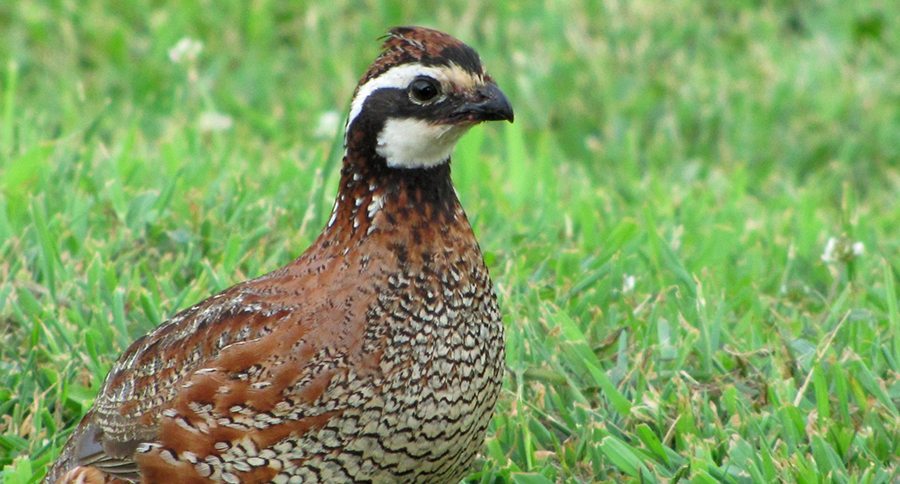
{"x":395,"y":77}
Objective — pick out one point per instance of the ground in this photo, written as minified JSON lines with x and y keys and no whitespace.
{"x":692,"y":225}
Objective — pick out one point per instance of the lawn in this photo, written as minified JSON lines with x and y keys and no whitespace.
{"x":693,"y":225}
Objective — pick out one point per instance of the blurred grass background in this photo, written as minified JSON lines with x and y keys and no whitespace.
{"x":692,"y":225}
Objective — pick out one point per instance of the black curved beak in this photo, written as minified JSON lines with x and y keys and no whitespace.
{"x":489,"y":104}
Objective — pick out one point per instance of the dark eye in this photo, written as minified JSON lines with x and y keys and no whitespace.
{"x":424,"y":89}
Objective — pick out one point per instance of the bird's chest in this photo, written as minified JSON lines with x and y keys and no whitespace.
{"x":436,"y":333}
{"x":441,"y":367}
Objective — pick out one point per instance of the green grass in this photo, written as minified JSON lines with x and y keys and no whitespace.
{"x":654,"y":221}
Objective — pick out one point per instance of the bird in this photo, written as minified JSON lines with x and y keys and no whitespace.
{"x":375,"y":356}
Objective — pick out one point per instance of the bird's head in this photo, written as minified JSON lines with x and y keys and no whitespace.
{"x":422,"y":93}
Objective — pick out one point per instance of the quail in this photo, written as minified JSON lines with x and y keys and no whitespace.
{"x":375,"y":356}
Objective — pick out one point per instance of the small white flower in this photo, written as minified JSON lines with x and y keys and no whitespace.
{"x":628,"y":283}
{"x":186,"y":50}
{"x":214,"y":121}
{"x":328,"y":125}
{"x":841,"y":249}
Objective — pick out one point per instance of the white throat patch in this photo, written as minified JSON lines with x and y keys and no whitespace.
{"x":416,"y":143}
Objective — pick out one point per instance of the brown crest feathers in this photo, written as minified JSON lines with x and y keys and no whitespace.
{"x":403,"y":45}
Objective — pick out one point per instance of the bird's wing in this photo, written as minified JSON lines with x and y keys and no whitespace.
{"x":190,"y":377}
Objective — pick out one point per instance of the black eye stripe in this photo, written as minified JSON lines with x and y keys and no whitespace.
{"x":397,"y":102}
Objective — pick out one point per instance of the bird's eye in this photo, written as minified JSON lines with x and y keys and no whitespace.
{"x":424,"y":89}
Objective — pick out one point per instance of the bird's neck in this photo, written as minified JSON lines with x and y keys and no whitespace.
{"x":383,"y":205}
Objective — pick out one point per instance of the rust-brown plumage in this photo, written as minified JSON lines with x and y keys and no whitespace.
{"x":377,"y":355}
